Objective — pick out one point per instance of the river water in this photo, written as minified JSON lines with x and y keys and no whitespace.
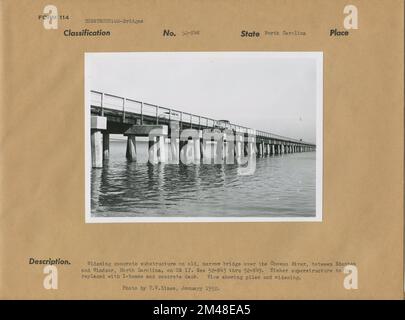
{"x":281,"y":186}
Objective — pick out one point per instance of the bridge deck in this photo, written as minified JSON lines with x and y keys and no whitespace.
{"x":127,"y":111}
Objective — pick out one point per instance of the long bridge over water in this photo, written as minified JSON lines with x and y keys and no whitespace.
{"x":187,"y":136}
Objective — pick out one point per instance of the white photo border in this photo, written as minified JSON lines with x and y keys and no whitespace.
{"x":317,"y":55}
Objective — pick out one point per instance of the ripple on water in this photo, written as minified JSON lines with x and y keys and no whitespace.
{"x":282,"y":186}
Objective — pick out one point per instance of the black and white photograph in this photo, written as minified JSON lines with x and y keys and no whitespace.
{"x":203,"y":136}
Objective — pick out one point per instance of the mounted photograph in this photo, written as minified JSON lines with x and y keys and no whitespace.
{"x":203,"y":136}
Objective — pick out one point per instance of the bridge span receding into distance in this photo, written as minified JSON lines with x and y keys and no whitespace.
{"x":186,"y":135}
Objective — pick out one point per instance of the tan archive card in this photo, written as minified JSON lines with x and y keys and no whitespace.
{"x":193,"y":149}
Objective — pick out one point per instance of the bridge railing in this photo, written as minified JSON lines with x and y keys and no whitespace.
{"x":125,"y":105}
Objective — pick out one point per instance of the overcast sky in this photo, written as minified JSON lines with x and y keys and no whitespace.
{"x":257,"y":90}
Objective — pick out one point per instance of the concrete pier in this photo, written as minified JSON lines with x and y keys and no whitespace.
{"x":161,"y":152}
{"x":261,"y":149}
{"x":197,"y":150}
{"x":197,"y":141}
{"x":156,"y":144}
{"x":206,"y":151}
{"x":153,"y":150}
{"x":174,"y":150}
{"x":157,"y":149}
{"x":190,"y":146}
{"x":97,"y":127}
{"x":219,"y":150}
{"x":106,"y":145}
{"x":131,"y":148}
{"x":251,"y":146}
{"x":245,"y":147}
{"x":229,"y":147}
{"x":239,"y":150}
{"x":209,"y":148}
{"x":184,"y":151}
{"x":97,"y":149}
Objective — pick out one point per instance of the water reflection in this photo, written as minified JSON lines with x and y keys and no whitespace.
{"x":281,"y":186}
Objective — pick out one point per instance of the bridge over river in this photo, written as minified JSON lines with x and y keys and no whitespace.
{"x":189,"y":137}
